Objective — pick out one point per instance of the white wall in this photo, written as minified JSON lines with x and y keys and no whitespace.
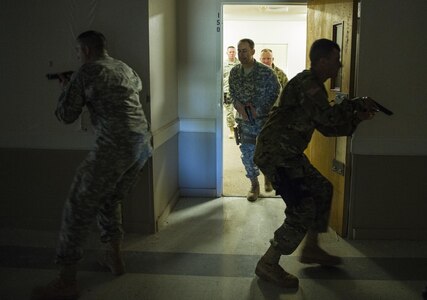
{"x":199,"y":96}
{"x":38,"y":37}
{"x":389,"y":154}
{"x":392,"y":70}
{"x":164,"y":104}
{"x":163,"y":63}
{"x":290,"y":33}
{"x":39,"y":154}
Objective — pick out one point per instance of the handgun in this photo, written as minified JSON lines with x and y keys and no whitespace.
{"x":379,"y":106}
{"x":249,"y":114}
{"x":66,"y":74}
{"x":383,"y":109}
{"x":236,"y":135}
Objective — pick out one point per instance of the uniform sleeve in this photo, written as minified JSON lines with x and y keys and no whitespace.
{"x":138,"y":81}
{"x":276,"y":88}
{"x":272,"y":87}
{"x":345,"y":129}
{"x":232,"y":82}
{"x":71,"y":101}
{"x":330,"y":120}
{"x":283,"y":79}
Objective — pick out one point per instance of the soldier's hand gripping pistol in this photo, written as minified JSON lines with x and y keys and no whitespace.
{"x":66,"y":75}
{"x":246,"y":110}
{"x":250,"y":113}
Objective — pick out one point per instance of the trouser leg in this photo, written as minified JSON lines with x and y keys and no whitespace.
{"x":247,"y":156}
{"x":95,"y":184}
{"x":229,"y":108}
{"x":109,"y":216}
{"x":79,"y":212}
{"x":308,"y":202}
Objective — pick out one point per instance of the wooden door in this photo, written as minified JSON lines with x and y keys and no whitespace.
{"x":323,"y":18}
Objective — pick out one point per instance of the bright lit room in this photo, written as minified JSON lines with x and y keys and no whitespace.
{"x":281,"y":28}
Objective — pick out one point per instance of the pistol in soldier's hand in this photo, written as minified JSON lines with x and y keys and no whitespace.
{"x":370,"y":104}
{"x":63,"y":79}
{"x":241,"y":110}
{"x":252,"y":109}
{"x":250,"y":113}
{"x":370,"y":109}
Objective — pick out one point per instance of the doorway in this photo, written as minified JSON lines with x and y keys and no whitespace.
{"x":279,"y":27}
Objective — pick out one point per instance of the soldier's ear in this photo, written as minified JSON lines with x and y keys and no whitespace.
{"x":322,"y":61}
{"x":86,"y":50}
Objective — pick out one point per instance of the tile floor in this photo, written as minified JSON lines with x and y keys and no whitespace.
{"x":208,"y":249}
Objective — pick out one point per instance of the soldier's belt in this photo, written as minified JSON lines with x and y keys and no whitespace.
{"x":244,"y":140}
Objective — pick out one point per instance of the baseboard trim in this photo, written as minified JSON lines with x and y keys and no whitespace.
{"x":29,"y":223}
{"x":203,"y":193}
{"x":389,"y":234}
{"x":161,"y":220}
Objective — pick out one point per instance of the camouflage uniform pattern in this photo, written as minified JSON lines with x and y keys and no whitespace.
{"x":261,"y":88}
{"x":228,"y":65}
{"x":110,"y":90}
{"x":303,"y":107}
{"x":283,"y":79}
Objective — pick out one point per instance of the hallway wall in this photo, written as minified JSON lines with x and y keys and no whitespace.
{"x":199,"y":98}
{"x":389,"y":155}
{"x":164,"y":104}
{"x":38,"y":154}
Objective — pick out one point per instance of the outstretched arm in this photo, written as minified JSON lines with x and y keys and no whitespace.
{"x":71,"y":100}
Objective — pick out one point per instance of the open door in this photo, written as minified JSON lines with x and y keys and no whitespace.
{"x":335,"y":20}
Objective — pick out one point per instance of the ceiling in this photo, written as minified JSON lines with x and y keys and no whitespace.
{"x":295,"y":12}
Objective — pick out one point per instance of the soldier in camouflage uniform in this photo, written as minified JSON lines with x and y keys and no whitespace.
{"x":267,"y":59}
{"x":303,"y":107}
{"x":110,"y":90}
{"x":228,"y":65}
{"x":253,"y":88}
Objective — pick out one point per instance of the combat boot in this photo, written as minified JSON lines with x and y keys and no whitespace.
{"x":316,"y":255}
{"x":231,"y":134}
{"x":253,"y":193}
{"x":313,"y":254}
{"x":62,"y":288}
{"x":276,"y":274}
{"x":112,"y":258}
{"x":268,"y":187}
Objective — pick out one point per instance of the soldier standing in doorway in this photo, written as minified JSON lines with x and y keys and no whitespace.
{"x":267,"y":58}
{"x":229,"y":63}
{"x":253,"y":89}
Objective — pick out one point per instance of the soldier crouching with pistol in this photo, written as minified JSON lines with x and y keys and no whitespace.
{"x":303,"y":107}
{"x":110,"y":90}
{"x":253,"y":89}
